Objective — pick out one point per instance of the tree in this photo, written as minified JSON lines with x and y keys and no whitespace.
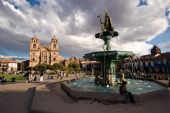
{"x":41,"y":68}
{"x":50,"y":67}
{"x":74,"y":66}
{"x":58,"y":66}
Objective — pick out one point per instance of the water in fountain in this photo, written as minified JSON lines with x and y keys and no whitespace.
{"x":134,"y":86}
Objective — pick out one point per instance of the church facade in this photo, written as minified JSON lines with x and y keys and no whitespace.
{"x":39,"y":54}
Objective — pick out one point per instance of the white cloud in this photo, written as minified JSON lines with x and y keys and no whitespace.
{"x":79,"y":18}
{"x":17,"y":11}
{"x":75,"y":22}
{"x":137,"y":47}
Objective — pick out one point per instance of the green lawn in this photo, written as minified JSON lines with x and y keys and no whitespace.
{"x":9,"y":77}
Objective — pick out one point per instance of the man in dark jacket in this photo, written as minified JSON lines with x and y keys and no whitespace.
{"x":126,"y":94}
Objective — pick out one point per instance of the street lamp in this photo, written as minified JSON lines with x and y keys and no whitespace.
{"x":104,"y":68}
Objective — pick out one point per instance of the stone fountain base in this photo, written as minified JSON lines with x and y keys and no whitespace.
{"x":111,"y":96}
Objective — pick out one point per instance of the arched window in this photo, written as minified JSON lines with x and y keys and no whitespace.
{"x":33,"y":59}
{"x":54,"y":59}
{"x":34,"y":45}
{"x":54,"y":46}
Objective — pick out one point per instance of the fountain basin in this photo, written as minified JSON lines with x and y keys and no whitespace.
{"x":108,"y":59}
{"x":109,"y":55}
{"x":86,"y":88}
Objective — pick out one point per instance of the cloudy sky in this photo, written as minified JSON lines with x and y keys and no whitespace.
{"x":75,"y":22}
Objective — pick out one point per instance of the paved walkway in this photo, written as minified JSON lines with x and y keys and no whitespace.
{"x":51,"y":99}
{"x":17,"y":98}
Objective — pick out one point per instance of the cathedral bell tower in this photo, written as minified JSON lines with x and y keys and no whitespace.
{"x":54,"y":51}
{"x":34,"y":53}
{"x":155,"y":51}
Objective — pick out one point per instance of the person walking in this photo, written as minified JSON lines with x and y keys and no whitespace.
{"x":27,"y":76}
{"x":41,"y":77}
{"x":61,"y":75}
{"x":76,"y":74}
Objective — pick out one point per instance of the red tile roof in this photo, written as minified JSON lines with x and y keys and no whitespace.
{"x":7,"y":61}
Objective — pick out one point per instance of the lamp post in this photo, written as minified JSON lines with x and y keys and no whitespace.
{"x":104,"y":68}
{"x":92,"y":67}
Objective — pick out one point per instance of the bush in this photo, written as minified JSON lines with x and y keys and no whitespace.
{"x":13,"y":79}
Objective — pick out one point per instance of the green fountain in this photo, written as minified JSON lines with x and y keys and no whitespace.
{"x":107,"y":58}
{"x":87,"y":88}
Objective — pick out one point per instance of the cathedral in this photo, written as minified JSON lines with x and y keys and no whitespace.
{"x":39,"y":54}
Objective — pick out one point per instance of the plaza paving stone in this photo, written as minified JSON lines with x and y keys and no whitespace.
{"x":51,"y":99}
{"x":47,"y":97}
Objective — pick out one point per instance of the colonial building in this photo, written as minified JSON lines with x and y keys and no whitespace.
{"x":39,"y":54}
{"x":156,"y":62}
{"x":88,"y":65}
{"x":23,"y":65}
{"x":8,"y":65}
{"x":66,"y":62}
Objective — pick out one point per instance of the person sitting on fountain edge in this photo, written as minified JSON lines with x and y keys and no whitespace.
{"x":126,"y":94}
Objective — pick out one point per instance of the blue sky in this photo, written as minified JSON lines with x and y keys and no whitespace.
{"x":140,"y":25}
{"x":162,"y":39}
{"x":34,"y":2}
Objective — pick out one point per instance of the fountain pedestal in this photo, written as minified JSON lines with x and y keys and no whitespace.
{"x":108,"y":59}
